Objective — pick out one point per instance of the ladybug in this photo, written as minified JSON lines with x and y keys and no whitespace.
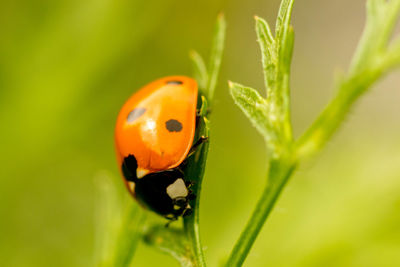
{"x":154,"y":136}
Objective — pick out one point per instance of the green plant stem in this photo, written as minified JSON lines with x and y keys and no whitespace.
{"x":196,"y":169}
{"x":370,"y":62}
{"x":192,"y":229}
{"x":336,"y":111}
{"x":279,"y":174}
{"x":373,"y":58}
{"x":193,"y":233}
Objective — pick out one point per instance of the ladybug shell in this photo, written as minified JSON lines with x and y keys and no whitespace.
{"x":157,"y":124}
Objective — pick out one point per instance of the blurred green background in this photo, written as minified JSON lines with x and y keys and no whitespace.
{"x":67,"y":66}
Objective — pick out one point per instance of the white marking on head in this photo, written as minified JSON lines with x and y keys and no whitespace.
{"x":177,"y":189}
{"x":141,"y":172}
{"x":131,"y":186}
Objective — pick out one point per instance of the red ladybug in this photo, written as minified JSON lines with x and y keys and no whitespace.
{"x":154,"y":133}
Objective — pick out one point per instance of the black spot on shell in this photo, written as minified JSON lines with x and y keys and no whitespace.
{"x":135,"y":114}
{"x":173,"y":126}
{"x":175,"y":82}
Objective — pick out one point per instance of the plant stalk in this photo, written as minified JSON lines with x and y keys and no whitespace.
{"x":191,"y":223}
{"x":192,"y":230}
{"x":336,"y":111}
{"x":279,"y":174}
{"x":196,"y":169}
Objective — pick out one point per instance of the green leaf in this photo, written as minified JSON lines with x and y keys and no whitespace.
{"x":276,"y":58}
{"x":286,"y":51}
{"x":285,"y":42}
{"x":283,"y":20}
{"x":253,"y":106}
{"x":216,"y":56}
{"x":268,"y":55}
{"x":264,"y":32}
{"x":199,"y":71}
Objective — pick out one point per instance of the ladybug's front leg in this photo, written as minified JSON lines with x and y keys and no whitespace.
{"x":192,"y":150}
{"x":198,"y":115}
{"x":198,"y":112}
{"x":200,"y":141}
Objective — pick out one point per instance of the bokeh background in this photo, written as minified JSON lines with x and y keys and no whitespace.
{"x":67,"y":66}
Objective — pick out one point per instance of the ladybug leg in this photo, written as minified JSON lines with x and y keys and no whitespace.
{"x":187,"y":212}
{"x":198,"y":114}
{"x":198,"y":117}
{"x":189,"y":184}
{"x":201,"y":140}
{"x":179,"y":170}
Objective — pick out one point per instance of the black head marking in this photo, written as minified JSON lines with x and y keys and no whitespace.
{"x":135,"y":114}
{"x":173,"y":125}
{"x":129,"y":167}
{"x":175,"y":82}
